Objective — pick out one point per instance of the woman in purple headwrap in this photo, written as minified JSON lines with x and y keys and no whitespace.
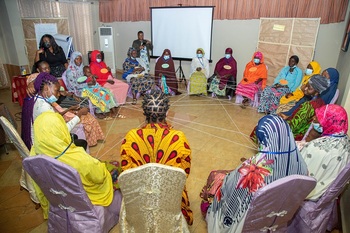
{"x":224,"y":82}
{"x":47,"y":88}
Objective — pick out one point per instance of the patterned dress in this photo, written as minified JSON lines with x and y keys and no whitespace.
{"x":158,"y":143}
{"x":139,"y":82}
{"x":278,"y":157}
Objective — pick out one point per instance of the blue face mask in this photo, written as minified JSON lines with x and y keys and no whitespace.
{"x":51,"y":99}
{"x":317,"y":127}
{"x":256,"y":60}
{"x":199,"y":55}
{"x":166,"y":57}
{"x":308,"y":71}
{"x":227,"y":56}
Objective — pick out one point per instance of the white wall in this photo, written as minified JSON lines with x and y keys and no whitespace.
{"x":12,"y":37}
{"x":240,"y":35}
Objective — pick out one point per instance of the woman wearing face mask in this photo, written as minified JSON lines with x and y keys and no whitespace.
{"x":254,"y":79}
{"x":301,"y":118}
{"x":199,"y":74}
{"x":53,"y":54}
{"x":135,"y":74}
{"x":165,"y":75}
{"x":332,"y":75}
{"x":328,"y":155}
{"x":105,"y":79}
{"x":288,"y":80}
{"x":290,"y":99}
{"x":47,"y":89}
{"x":224,"y":82}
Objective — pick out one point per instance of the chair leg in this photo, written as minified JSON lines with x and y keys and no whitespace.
{"x":6,"y":151}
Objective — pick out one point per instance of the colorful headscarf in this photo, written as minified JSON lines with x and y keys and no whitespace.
{"x":316,"y":67}
{"x":333,"y":118}
{"x":258,"y":54}
{"x":202,"y":50}
{"x":328,"y":95}
{"x":319,"y":83}
{"x":42,"y":79}
{"x":130,"y":51}
{"x":76,"y":70}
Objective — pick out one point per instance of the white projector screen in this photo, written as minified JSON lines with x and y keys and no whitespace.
{"x":182,"y":30}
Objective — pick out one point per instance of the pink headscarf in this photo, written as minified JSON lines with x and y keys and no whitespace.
{"x":333,"y":118}
{"x":258,"y":55}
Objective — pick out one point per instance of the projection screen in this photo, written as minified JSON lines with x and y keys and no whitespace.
{"x":182,"y":30}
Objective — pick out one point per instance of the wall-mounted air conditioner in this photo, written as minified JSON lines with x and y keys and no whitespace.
{"x":107,"y":46}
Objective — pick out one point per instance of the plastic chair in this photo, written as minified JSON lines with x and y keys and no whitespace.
{"x":70,"y":208}
{"x":152,"y":196}
{"x":275,"y":204}
{"x":315,"y":216}
{"x":25,"y":180}
{"x":254,"y":103}
{"x":335,"y":97}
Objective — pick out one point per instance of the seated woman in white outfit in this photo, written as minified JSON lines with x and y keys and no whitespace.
{"x":199,"y":74}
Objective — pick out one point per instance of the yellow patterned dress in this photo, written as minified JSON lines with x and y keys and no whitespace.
{"x":158,"y":143}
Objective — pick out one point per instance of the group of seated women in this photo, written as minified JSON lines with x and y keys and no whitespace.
{"x":300,"y":102}
{"x":156,"y":141}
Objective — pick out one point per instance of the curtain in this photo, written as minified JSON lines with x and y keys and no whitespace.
{"x":330,"y":11}
{"x":78,"y":14}
{"x":3,"y":76}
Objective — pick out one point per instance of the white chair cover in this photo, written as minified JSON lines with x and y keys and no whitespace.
{"x":25,"y":180}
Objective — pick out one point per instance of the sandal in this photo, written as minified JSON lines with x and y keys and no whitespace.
{"x":121,"y":116}
{"x":107,"y":118}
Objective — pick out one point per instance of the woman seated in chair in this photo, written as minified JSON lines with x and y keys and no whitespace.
{"x":327,"y":155}
{"x":165,"y":75}
{"x":105,"y":77}
{"x":136,"y":75}
{"x":332,"y":75}
{"x":277,"y":157}
{"x":52,"y":138}
{"x":106,"y":105}
{"x":301,"y":118}
{"x":199,"y":74}
{"x":53,"y":54}
{"x":158,"y":142}
{"x":287,"y":81}
{"x":289,"y":100}
{"x":47,"y":88}
{"x":224,"y":82}
{"x":254,"y":80}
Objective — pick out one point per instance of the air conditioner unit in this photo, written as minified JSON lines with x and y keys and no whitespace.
{"x":107,"y":46}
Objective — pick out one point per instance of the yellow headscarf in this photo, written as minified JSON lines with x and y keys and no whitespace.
{"x":298,"y":93}
{"x":52,"y":138}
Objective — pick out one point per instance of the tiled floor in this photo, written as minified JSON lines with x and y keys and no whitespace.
{"x":217,"y":130}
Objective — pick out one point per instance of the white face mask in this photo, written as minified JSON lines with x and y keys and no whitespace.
{"x":98,"y":60}
{"x":308,"y":71}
